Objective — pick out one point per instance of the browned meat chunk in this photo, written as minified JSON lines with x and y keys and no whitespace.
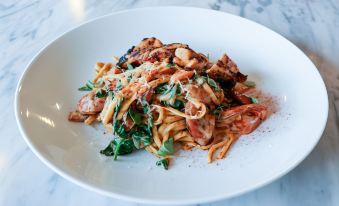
{"x":190,"y":60}
{"x":90,"y":104}
{"x":225,"y":71}
{"x":76,"y":117}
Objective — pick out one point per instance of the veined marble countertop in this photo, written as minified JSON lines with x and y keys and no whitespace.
{"x":27,"y":25}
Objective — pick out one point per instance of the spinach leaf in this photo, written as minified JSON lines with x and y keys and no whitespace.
{"x":109,"y":150}
{"x":119,"y":85}
{"x":201,"y":80}
{"x":135,"y":116}
{"x":167,"y":148}
{"x":170,"y":65}
{"x":88,"y":87}
{"x":220,"y":108}
{"x":130,"y":67}
{"x":141,"y":137}
{"x":254,"y":100}
{"x":122,"y":147}
{"x":118,"y":147}
{"x":161,"y":88}
{"x":178,"y":104}
{"x":101,"y":93}
{"x":213,"y":84}
{"x":129,"y":77}
{"x":119,"y":129}
{"x":163,"y":162}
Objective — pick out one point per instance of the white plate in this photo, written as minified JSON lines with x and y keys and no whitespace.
{"x":47,"y":91}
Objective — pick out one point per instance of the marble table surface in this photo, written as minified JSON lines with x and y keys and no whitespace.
{"x":27,"y":25}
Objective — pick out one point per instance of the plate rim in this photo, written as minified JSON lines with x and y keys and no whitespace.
{"x":206,"y":199}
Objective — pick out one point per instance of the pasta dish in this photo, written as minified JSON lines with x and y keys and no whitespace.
{"x":159,"y":95}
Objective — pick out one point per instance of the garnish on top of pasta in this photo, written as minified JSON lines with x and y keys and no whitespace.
{"x":157,"y":95}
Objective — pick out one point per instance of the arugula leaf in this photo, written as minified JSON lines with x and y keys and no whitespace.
{"x":122,"y":147}
{"x":163,"y":162}
{"x":101,"y":93}
{"x":141,"y":137}
{"x":109,"y":150}
{"x":220,"y":108}
{"x":129,"y":77}
{"x":161,"y":88}
{"x":111,"y":94}
{"x":119,"y":85}
{"x":170,"y":65}
{"x":130,"y":67}
{"x":249,"y":83}
{"x":213,"y":84}
{"x":167,"y":148}
{"x":88,"y":87}
{"x":135,"y":116}
{"x":254,"y":100}
{"x":117,"y":147}
{"x":201,"y":80}
{"x":178,"y":104}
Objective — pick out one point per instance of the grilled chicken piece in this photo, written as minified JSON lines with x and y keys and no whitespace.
{"x":172,"y":47}
{"x":242,"y":119}
{"x":137,"y":54}
{"x":152,"y":50}
{"x":90,"y":104}
{"x":148,"y":43}
{"x":76,"y":117}
{"x":226,"y":72}
{"x":200,"y":129}
{"x":190,"y":60}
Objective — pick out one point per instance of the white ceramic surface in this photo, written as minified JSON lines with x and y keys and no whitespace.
{"x":48,"y":91}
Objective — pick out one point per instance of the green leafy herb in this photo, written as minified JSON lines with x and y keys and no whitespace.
{"x":119,"y":85}
{"x":249,"y":83}
{"x":111,"y":94}
{"x":109,"y":150}
{"x":101,"y":93}
{"x":161,"y":88}
{"x":254,"y":100}
{"x":88,"y":87}
{"x":129,"y":77}
{"x":117,"y":147}
{"x":163,"y":162}
{"x":167,"y":148}
{"x":213,"y":84}
{"x":130,"y":67}
{"x":201,"y":80}
{"x":178,"y":104}
{"x":220,"y":108}
{"x":170,"y":65}
{"x":122,"y":147}
{"x":135,"y":116}
{"x":141,"y":137}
